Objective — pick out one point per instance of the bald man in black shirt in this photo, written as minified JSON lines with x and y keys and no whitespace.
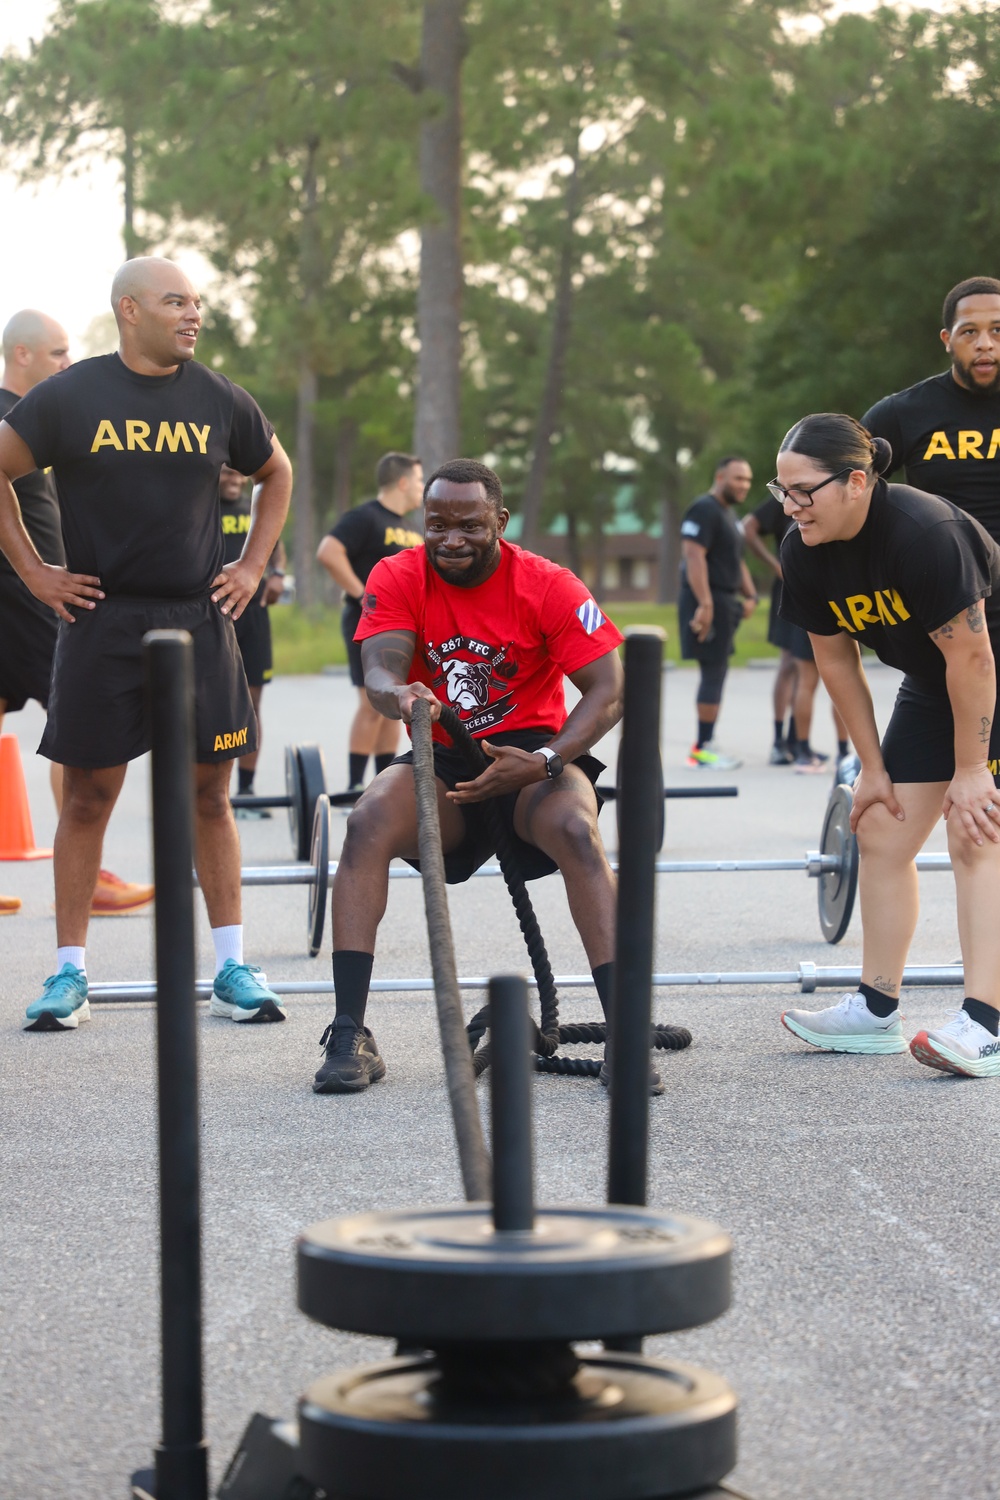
{"x":137,"y":441}
{"x":36,"y":346}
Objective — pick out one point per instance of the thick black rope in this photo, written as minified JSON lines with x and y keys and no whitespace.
{"x":548,"y":1036}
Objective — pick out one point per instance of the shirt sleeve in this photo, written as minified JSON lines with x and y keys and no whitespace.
{"x":352,"y":530}
{"x":802,"y":589}
{"x":769,"y":515}
{"x":699,"y":525}
{"x":250,"y":434}
{"x":35,"y":419}
{"x":388,"y":602}
{"x":575,"y":629}
{"x":943,"y":571}
{"x":882,"y":420}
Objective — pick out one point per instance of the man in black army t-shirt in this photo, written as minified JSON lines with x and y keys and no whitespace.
{"x":945,"y":431}
{"x":359,"y":540}
{"x":136,"y":441}
{"x":716,"y":593}
{"x":35,"y":347}
{"x":253,"y":628}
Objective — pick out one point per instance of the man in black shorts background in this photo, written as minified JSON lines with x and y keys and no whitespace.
{"x":491,"y":630}
{"x":137,"y":441}
{"x":797,"y":677}
{"x":253,"y":628}
{"x":716,"y":593}
{"x":359,"y":540}
{"x":35,"y":347}
{"x":945,"y":431}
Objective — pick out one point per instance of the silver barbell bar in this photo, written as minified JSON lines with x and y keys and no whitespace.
{"x":808,"y":976}
{"x":813,"y":863}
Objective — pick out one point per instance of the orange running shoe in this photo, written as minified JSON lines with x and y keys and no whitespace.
{"x":9,"y":905}
{"x":114,"y":897}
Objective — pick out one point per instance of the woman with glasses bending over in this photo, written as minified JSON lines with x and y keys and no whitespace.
{"x":916,"y":580}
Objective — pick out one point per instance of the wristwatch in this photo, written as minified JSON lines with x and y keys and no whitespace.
{"x":553,"y":761}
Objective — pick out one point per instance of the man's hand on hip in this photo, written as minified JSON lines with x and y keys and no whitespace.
{"x":59,"y":589}
{"x":234,"y":587}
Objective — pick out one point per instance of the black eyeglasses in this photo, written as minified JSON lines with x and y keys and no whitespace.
{"x":799,"y":496}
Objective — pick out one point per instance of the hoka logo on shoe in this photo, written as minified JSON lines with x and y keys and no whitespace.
{"x":990,"y":1050}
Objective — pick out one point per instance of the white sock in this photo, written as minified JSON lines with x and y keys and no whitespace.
{"x":228,"y":944}
{"x":74,"y":956}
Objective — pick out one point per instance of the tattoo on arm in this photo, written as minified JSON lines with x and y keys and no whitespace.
{"x":975,"y":618}
{"x":393,"y":652}
{"x":985,"y":725}
{"x":945,"y":633}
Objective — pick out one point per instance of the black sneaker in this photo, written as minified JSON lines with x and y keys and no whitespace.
{"x":352,"y":1059}
{"x":604,"y":1077}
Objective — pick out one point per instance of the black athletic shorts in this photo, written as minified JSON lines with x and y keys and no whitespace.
{"x":919,"y":742}
{"x":96,"y":706}
{"x":350,"y":619}
{"x":728,"y":612}
{"x":785,"y":635}
{"x":28,"y":631}
{"x":477,"y":846}
{"x":253,"y":637}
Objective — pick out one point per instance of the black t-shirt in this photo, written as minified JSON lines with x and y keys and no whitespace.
{"x":235,"y":525}
{"x":948,"y":441}
{"x":370,"y":532}
{"x":137,"y":461}
{"x":36,"y":495}
{"x":773,"y":519}
{"x":917,"y":562}
{"x":713,"y":526}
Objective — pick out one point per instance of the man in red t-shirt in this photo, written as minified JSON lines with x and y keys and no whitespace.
{"x":473,"y":622}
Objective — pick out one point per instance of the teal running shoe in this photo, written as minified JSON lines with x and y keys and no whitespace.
{"x":63,"y":1003}
{"x":240,"y":993}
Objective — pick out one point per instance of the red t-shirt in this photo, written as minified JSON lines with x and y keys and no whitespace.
{"x":496,"y":653}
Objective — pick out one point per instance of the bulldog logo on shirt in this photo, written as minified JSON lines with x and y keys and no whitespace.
{"x":470,"y":672}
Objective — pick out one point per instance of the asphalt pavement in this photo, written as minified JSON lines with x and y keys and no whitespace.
{"x":861,"y":1335}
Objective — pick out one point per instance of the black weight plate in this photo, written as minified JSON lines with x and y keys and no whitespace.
{"x":838,"y":888}
{"x":312,"y":773}
{"x":296,"y":806}
{"x":660,"y":812}
{"x":585,"y":1273}
{"x":319,"y":858}
{"x":635,"y":1428}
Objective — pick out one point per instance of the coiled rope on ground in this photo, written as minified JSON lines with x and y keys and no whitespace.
{"x":550,"y":1034}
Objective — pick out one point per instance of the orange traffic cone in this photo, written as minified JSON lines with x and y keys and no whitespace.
{"x":17,"y":838}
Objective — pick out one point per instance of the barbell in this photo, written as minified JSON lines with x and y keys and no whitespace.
{"x":305,"y":783}
{"x":808,"y":976}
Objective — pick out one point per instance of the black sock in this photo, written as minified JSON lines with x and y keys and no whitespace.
{"x":790,"y":735}
{"x":842,"y":748}
{"x":779,"y":732}
{"x":704,"y":732}
{"x":984,"y":1014}
{"x":381,"y":761}
{"x":604,"y":978}
{"x":244,"y":782}
{"x":877,"y":1001}
{"x":358,"y":764}
{"x":352,"y":972}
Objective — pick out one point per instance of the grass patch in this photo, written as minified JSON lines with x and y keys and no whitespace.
{"x":308,"y":641}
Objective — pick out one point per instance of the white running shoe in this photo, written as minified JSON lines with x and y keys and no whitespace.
{"x":961,"y":1045}
{"x":848,"y":1026}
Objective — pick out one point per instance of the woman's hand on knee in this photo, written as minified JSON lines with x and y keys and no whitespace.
{"x":973,"y":802}
{"x":871,"y":788}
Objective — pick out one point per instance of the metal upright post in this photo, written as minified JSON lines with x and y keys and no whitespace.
{"x":182,"y":1455}
{"x":631,"y":1004}
{"x":510,"y":1104}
